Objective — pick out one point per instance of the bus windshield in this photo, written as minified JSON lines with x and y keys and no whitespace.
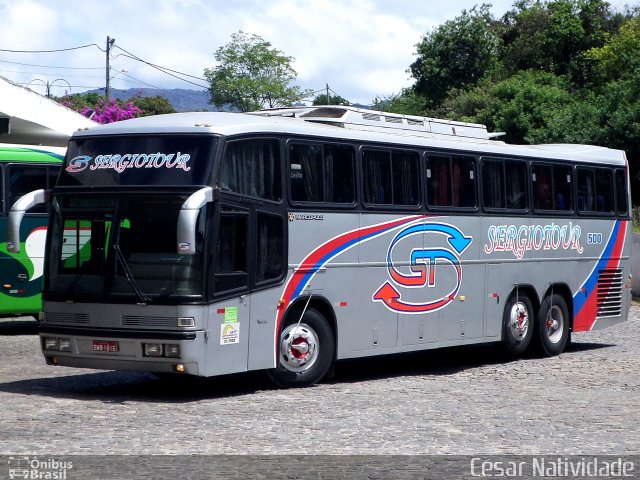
{"x":122,"y":245}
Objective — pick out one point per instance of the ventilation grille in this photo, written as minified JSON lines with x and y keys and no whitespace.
{"x":139,"y":321}
{"x":371,"y":116}
{"x":609,"y":293}
{"x":68,"y":318}
{"x":393,"y":120}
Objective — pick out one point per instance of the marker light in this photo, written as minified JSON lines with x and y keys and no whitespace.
{"x":186,"y":322}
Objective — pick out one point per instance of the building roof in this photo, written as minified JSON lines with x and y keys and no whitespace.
{"x":35,"y":119}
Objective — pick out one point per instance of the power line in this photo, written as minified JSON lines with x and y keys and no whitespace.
{"x":164,"y":70}
{"x":51,"y":66}
{"x":51,"y":51}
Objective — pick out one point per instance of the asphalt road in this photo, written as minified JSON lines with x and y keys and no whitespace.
{"x":464,"y":401}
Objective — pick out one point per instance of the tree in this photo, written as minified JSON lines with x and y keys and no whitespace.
{"x":521,"y":105}
{"x":251,"y":75}
{"x":455,"y":55}
{"x":156,"y":105}
{"x":333,"y":100}
{"x":95,"y":106}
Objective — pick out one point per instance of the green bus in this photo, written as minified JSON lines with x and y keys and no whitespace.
{"x":24,"y":168}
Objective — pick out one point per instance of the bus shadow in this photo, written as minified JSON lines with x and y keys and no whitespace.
{"x":445,"y":361}
{"x":123,"y":386}
{"x":18,"y":326}
{"x":119,"y":387}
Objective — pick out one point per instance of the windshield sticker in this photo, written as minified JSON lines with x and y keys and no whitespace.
{"x":521,"y":239}
{"x":120,"y":163}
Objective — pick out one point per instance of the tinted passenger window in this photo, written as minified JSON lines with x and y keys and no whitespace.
{"x":595,"y":190}
{"x":230,"y":261}
{"x":270,"y":244}
{"x":252,"y":167}
{"x":391,"y":177}
{"x":22,"y":179}
{"x":451,"y":181}
{"x":504,"y":184}
{"x":552,"y":187}
{"x":321,"y":173}
{"x":621,"y":192}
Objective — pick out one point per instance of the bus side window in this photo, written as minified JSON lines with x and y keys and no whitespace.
{"x":270,"y":244}
{"x":306,"y":173}
{"x":451,"y":182}
{"x":252,"y":167}
{"x":621,"y":192}
{"x":24,"y":179}
{"x":230,"y":270}
{"x":340,"y":172}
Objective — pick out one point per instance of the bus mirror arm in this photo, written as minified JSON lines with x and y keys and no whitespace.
{"x":188,"y":218}
{"x":16,"y":213}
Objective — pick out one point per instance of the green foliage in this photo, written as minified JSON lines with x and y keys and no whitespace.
{"x":251,"y":74}
{"x":408,"y":102}
{"x":333,"y":100}
{"x":156,"y":105}
{"x":620,"y":56}
{"x":521,"y":106}
{"x":92,"y":102}
{"x":455,"y":55}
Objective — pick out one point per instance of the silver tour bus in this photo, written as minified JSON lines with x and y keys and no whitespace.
{"x":213,"y":243}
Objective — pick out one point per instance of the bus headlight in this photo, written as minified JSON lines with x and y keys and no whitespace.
{"x":152,"y":349}
{"x":64,"y":344}
{"x":172,"y":350}
{"x":51,"y":343}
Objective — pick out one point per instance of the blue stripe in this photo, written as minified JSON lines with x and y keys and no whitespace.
{"x":590,"y":283}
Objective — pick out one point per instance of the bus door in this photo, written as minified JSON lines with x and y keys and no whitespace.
{"x":228,"y":317}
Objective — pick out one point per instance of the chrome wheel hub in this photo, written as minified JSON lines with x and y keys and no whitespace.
{"x":298,"y":347}
{"x":519,"y":321}
{"x":555,"y":324}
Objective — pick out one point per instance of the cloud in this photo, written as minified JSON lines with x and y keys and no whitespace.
{"x":361,"y":48}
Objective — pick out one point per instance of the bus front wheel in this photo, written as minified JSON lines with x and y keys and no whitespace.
{"x":305,"y":352}
{"x":517,"y":324}
{"x":553,"y":325}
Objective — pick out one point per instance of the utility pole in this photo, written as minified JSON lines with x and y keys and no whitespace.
{"x":110,"y":42}
{"x":328,"y":102}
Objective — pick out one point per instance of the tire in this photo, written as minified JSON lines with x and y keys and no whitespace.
{"x":553,"y":326}
{"x":517,"y":324}
{"x":305,"y":351}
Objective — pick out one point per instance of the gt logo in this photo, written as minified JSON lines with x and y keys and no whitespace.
{"x":422,"y":269}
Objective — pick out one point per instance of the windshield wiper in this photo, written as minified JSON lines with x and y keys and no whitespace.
{"x":127,"y":273}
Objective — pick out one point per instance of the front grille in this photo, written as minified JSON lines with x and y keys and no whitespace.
{"x":67,"y":318}
{"x":144,"y":321}
{"x":609,"y":292}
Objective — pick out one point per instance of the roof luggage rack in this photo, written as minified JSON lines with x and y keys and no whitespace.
{"x":373,"y":120}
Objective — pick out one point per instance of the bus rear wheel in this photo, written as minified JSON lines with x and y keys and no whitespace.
{"x":553,"y":325}
{"x":305,"y":352}
{"x":517,"y":324}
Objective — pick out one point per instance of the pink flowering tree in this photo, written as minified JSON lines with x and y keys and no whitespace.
{"x":98,"y":109}
{"x":112,"y":111}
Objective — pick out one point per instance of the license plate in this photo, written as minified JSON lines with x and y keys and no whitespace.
{"x":105,"y":346}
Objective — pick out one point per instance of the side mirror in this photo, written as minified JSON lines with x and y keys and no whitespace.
{"x":188,"y":218}
{"x":16,"y":213}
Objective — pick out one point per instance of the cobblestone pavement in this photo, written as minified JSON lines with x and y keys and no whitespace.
{"x":470,"y":400}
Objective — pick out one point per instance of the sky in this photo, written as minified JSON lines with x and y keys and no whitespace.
{"x":360,"y":48}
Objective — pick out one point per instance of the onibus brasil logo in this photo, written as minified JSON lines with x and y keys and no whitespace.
{"x":422,"y":269}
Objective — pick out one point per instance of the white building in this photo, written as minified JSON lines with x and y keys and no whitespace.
{"x":33,"y":119}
